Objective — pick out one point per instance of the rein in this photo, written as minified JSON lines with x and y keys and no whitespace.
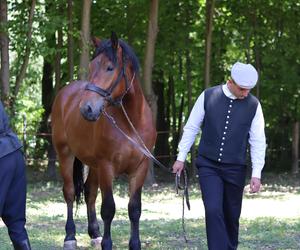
{"x":180,"y":183}
{"x":107,"y":94}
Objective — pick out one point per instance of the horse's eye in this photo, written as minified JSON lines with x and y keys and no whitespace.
{"x":110,"y":68}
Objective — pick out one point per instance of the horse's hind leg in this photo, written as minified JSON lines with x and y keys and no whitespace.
{"x":90,"y":194}
{"x":136,"y":182}
{"x":66,"y":168}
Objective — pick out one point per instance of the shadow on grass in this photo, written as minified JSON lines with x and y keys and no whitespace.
{"x":155,"y":234}
{"x":261,"y":233}
{"x":46,"y":229}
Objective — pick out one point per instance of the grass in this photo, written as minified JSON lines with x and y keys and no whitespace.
{"x":270,"y":220}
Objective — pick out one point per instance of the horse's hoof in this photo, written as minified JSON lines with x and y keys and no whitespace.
{"x":70,"y":245}
{"x":96,"y":243}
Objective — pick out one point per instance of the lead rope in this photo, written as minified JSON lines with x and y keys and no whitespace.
{"x":184,"y":194}
{"x":143,"y":148}
{"x":148,"y":154}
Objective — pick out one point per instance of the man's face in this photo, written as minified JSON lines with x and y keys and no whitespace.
{"x":235,"y":89}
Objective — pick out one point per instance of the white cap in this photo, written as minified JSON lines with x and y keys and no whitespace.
{"x":244,"y":75}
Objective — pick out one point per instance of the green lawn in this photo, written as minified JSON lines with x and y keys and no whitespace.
{"x":270,"y":220}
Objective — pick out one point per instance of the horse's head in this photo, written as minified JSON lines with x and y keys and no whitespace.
{"x":109,"y":76}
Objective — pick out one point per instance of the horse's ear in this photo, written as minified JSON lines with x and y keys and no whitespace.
{"x":114,"y":41}
{"x":96,"y":41}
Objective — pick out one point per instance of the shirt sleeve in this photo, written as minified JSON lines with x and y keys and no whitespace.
{"x":257,"y":141}
{"x":191,"y":129}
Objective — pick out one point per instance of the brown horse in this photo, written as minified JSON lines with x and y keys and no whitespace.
{"x":83,"y":132}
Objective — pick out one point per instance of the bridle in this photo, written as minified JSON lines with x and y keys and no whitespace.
{"x":180,"y":183}
{"x":107,"y":93}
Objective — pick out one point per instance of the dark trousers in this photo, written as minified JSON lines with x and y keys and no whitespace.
{"x":13,"y":195}
{"x":222,"y":188}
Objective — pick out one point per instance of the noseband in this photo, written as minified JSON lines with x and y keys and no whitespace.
{"x":107,"y":93}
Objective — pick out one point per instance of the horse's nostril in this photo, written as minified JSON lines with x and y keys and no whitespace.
{"x":88,"y":109}
{"x":90,"y":112}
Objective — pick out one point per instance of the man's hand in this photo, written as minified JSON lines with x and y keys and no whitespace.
{"x":178,"y":167}
{"x":254,"y":185}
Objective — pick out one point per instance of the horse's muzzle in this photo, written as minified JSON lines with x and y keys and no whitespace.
{"x":92,"y":111}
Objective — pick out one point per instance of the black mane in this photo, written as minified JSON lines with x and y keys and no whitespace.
{"x":106,"y":48}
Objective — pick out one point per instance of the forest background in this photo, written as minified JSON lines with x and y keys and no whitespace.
{"x":184,"y":46}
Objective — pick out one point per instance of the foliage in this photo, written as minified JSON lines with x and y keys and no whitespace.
{"x":265,"y":34}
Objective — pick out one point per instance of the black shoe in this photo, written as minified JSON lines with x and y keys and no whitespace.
{"x":22,"y":245}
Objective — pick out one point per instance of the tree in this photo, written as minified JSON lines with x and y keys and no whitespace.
{"x":51,"y":65}
{"x":70,"y":41}
{"x":210,"y":5}
{"x":149,"y":54}
{"x":85,"y":40}
{"x":295,"y":148}
{"x":148,"y":67}
{"x":21,"y":74}
{"x":4,"y":43}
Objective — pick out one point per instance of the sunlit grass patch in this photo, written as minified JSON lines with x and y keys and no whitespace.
{"x":270,"y":233}
{"x":270,"y":219}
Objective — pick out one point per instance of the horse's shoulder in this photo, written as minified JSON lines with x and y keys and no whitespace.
{"x":75,"y":85}
{"x":71,"y":88}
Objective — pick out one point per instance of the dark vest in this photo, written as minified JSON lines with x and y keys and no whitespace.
{"x":226,"y":125}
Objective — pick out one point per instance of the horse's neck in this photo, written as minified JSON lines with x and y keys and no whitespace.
{"x":135,"y":102}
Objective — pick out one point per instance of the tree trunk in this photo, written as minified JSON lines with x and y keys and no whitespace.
{"x":47,"y":88}
{"x":47,"y":94}
{"x":24,"y":65}
{"x":57,"y":65}
{"x":256,"y":51}
{"x":208,"y":40}
{"x":295,"y":148}
{"x":168,"y":116}
{"x":173,"y":114}
{"x":129,"y":21}
{"x":147,"y":71}
{"x":4,"y":43}
{"x":49,"y":67}
{"x":51,"y":167}
{"x":150,"y":48}
{"x":70,"y":41}
{"x":179,"y":128}
{"x":85,"y":40}
{"x":190,"y":104}
{"x":162,"y":143}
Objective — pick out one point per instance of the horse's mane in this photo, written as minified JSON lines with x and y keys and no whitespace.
{"x":106,"y":48}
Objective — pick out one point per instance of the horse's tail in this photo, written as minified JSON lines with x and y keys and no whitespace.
{"x":78,"y":169}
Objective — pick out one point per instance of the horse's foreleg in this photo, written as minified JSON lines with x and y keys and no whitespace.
{"x":90,"y":194}
{"x":108,"y":209}
{"x":134,"y":212}
{"x":135,"y":206}
{"x":69,"y":195}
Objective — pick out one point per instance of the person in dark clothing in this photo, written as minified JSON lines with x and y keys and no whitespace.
{"x":12,"y":184}
{"x":230,"y":118}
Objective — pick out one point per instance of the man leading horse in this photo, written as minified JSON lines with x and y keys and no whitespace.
{"x":230,"y":118}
